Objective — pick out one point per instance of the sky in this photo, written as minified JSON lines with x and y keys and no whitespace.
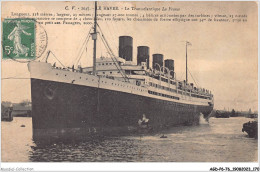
{"x":223,"y":57}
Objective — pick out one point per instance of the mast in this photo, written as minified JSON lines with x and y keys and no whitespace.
{"x":187,"y":43}
{"x":94,"y":37}
{"x":186,"y":63}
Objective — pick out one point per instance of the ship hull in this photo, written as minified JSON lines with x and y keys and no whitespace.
{"x":64,"y":109}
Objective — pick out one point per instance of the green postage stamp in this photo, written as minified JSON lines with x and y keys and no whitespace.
{"x":18,"y":38}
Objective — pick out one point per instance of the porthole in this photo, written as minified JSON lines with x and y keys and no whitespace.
{"x":65,"y":75}
{"x":56,"y":73}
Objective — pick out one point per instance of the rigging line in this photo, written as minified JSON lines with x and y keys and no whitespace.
{"x":88,"y":54}
{"x":18,"y":87}
{"x":181,"y":75}
{"x":193,"y":78}
{"x":17,"y":75}
{"x":104,"y":40}
{"x":101,"y":51}
{"x":113,"y":56}
{"x":98,"y":101}
{"x":114,"y":59}
{"x":112,"y":36}
{"x":114,"y":28}
{"x":109,"y":29}
{"x":57,"y":59}
{"x":115,"y":36}
{"x":84,"y":41}
{"x":13,"y":78}
{"x":111,"y":33}
{"x":197,"y":81}
{"x":43,"y":57}
{"x":82,"y":51}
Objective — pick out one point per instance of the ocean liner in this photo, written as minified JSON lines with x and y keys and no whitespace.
{"x":115,"y":95}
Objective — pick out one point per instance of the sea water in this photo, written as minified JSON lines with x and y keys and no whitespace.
{"x":219,"y":140}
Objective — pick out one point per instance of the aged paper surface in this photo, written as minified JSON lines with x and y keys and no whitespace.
{"x":222,"y":57}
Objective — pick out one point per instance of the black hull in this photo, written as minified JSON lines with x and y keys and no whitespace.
{"x":59,"y":108}
{"x":251,"y":128}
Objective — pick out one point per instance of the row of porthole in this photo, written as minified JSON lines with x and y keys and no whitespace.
{"x":106,"y":64}
{"x":198,"y":96}
{"x":129,"y":86}
{"x":180,"y":106}
{"x":79,"y":77}
{"x":124,"y":86}
{"x":173,"y":90}
{"x":106,"y":82}
{"x":163,"y":95}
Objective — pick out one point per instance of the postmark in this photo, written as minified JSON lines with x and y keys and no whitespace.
{"x":41,"y":39}
{"x":23,"y":40}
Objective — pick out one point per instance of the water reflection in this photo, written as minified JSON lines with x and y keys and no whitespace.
{"x":98,"y":149}
{"x":220,"y":140}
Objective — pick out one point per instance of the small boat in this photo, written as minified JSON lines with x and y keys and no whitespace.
{"x":251,"y":115}
{"x":251,"y":129}
{"x":163,"y":136}
{"x":143,"y":123}
{"x":222,"y":114}
{"x":6,"y":113}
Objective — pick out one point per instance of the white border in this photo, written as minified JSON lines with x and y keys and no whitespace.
{"x":109,"y":166}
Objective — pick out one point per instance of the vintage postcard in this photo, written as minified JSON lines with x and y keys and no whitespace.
{"x":125,"y":81}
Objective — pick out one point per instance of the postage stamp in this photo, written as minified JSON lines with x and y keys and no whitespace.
{"x":18,"y":38}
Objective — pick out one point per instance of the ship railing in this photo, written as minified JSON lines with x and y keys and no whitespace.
{"x":182,"y":87}
{"x":160,"y":74}
{"x":61,"y":68}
